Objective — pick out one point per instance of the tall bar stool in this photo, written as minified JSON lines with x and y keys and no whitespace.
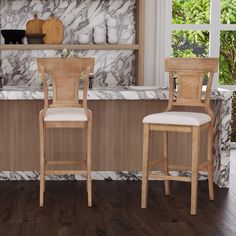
{"x":66,"y":111}
{"x":190,"y":74}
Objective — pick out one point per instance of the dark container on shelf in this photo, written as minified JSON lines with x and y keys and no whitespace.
{"x":12,"y":36}
{"x":35,"y":38}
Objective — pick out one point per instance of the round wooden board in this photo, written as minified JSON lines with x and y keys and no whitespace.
{"x":34,"y":26}
{"x":53,"y":28}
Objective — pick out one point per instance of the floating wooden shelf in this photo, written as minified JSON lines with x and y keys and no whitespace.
{"x":138,"y":47}
{"x":69,"y":46}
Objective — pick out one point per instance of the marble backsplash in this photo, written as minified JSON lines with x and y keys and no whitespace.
{"x":112,"y":67}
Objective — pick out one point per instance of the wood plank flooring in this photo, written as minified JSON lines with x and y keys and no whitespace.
{"x":116,"y":210}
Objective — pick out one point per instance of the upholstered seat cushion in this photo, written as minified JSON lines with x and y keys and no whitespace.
{"x":178,"y":118}
{"x":65,"y":114}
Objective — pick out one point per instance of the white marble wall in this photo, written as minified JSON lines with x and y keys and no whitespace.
{"x":112,"y":67}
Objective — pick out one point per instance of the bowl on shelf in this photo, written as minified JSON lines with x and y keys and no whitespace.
{"x":99,"y":39}
{"x":83,"y":39}
{"x":112,"y":31}
{"x":113,"y":39}
{"x":112,"y":22}
{"x":100,"y":30}
{"x":12,"y":36}
{"x":113,"y":36}
{"x":84,"y":36}
{"x":35,"y":38}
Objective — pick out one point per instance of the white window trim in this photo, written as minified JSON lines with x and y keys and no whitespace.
{"x":163,"y":37}
{"x":160,"y":51}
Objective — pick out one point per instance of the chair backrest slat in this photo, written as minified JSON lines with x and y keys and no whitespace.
{"x":66,"y":74}
{"x":65,"y":89}
{"x":190,"y":74}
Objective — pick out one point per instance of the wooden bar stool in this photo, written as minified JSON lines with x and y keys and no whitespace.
{"x":190,"y":74}
{"x":65,"y":112}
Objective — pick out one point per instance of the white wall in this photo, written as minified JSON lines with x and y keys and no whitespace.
{"x":156,"y":29}
{"x":150,"y":42}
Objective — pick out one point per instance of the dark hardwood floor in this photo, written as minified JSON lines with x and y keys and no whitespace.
{"x":116,"y":209}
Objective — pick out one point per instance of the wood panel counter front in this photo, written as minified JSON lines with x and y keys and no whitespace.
{"x":116,"y":143}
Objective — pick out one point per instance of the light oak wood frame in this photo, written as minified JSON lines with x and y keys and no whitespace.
{"x":190,"y":73}
{"x":140,"y":36}
{"x":66,"y":73}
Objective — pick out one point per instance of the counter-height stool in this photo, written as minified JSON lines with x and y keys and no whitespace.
{"x":190,"y":75}
{"x":65,"y":111}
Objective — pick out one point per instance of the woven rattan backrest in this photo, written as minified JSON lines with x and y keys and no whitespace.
{"x":189,"y":74}
{"x":66,"y":74}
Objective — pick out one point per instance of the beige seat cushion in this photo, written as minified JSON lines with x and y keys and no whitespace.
{"x":65,"y":114}
{"x":178,"y":118}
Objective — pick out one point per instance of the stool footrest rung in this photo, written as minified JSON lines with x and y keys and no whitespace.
{"x":66,"y":163}
{"x":158,"y":163}
{"x":66,"y":172}
{"x":169,"y":177}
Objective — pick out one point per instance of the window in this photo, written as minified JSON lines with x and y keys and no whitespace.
{"x":201,"y":28}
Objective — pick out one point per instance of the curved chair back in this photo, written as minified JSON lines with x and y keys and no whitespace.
{"x":66,"y":75}
{"x":190,"y":74}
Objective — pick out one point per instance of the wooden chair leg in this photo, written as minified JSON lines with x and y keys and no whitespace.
{"x":42,"y":163}
{"x":44,"y":145}
{"x":89,"y":164}
{"x":209,"y":167}
{"x":194,"y":181}
{"x":165,"y":161}
{"x":145,"y":166}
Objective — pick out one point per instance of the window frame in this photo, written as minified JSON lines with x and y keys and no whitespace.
{"x":214,"y":27}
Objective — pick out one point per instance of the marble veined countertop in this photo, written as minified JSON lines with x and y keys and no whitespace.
{"x":105,"y":93}
{"x":222,"y":124}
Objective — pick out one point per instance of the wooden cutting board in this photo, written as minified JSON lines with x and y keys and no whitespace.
{"x":53,"y":29}
{"x":34,"y":26}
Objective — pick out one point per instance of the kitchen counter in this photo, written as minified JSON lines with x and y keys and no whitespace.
{"x":104,"y":93}
{"x":221,"y":100}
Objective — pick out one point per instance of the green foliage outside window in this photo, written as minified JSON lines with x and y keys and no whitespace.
{"x":191,"y":11}
{"x":190,"y":43}
{"x":228,"y":58}
{"x":196,"y":43}
{"x":228,"y":11}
